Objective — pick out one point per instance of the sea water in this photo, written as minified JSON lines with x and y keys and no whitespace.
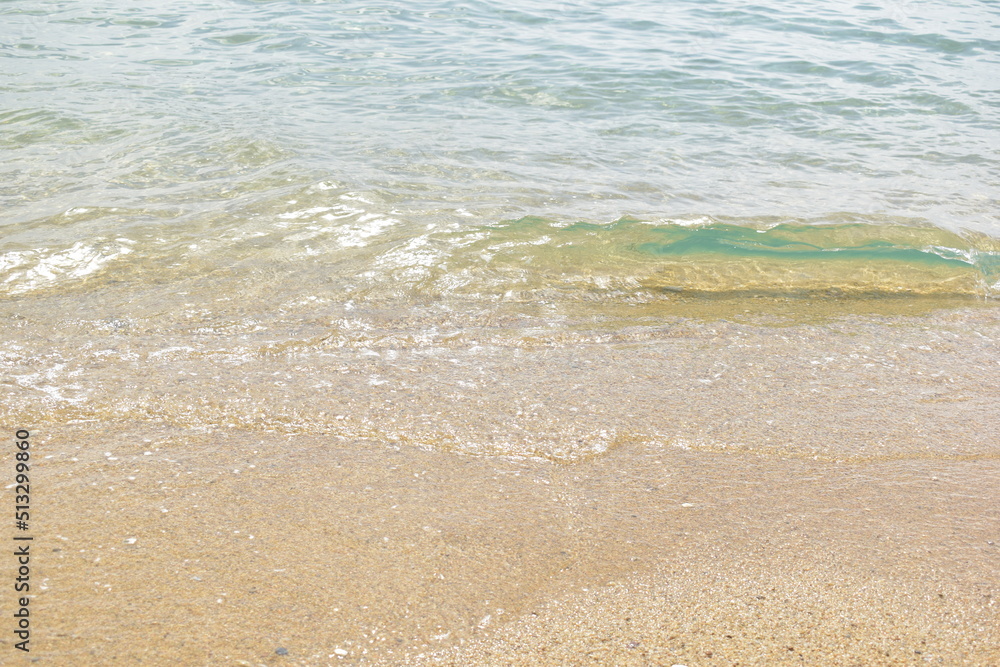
{"x":207,"y":134}
{"x":202,"y":200}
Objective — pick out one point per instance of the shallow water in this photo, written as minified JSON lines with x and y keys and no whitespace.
{"x":347,"y":327}
{"x":149,"y":144}
{"x":485,"y":230}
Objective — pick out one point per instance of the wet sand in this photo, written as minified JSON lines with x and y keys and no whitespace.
{"x":649,"y":555}
{"x":727,"y":515}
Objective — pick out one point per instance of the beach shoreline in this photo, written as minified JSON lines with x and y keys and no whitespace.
{"x":473,"y":333}
{"x":862,"y":529}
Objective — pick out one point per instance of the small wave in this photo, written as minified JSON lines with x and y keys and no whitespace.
{"x":363,"y":250}
{"x":535,"y":257}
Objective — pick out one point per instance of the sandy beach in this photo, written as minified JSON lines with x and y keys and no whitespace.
{"x":854,"y":527}
{"x":448,"y":332}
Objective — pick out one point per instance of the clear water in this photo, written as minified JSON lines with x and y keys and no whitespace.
{"x":467,"y":226}
{"x":719,"y":267}
{"x":152,"y":143}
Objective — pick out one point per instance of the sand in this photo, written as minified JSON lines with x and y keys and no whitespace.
{"x":745,"y":520}
{"x":649,"y":555}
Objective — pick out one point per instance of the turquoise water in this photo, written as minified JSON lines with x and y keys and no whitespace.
{"x":158,"y":142}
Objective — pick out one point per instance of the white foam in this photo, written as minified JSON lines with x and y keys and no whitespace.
{"x":305,"y":213}
{"x":412,"y":261}
{"x":371,"y":224}
{"x":76,"y":262}
{"x":49,"y":383}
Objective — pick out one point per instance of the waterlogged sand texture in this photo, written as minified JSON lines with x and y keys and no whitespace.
{"x":826,"y":579}
{"x":651,"y":555}
{"x":723,"y":493}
